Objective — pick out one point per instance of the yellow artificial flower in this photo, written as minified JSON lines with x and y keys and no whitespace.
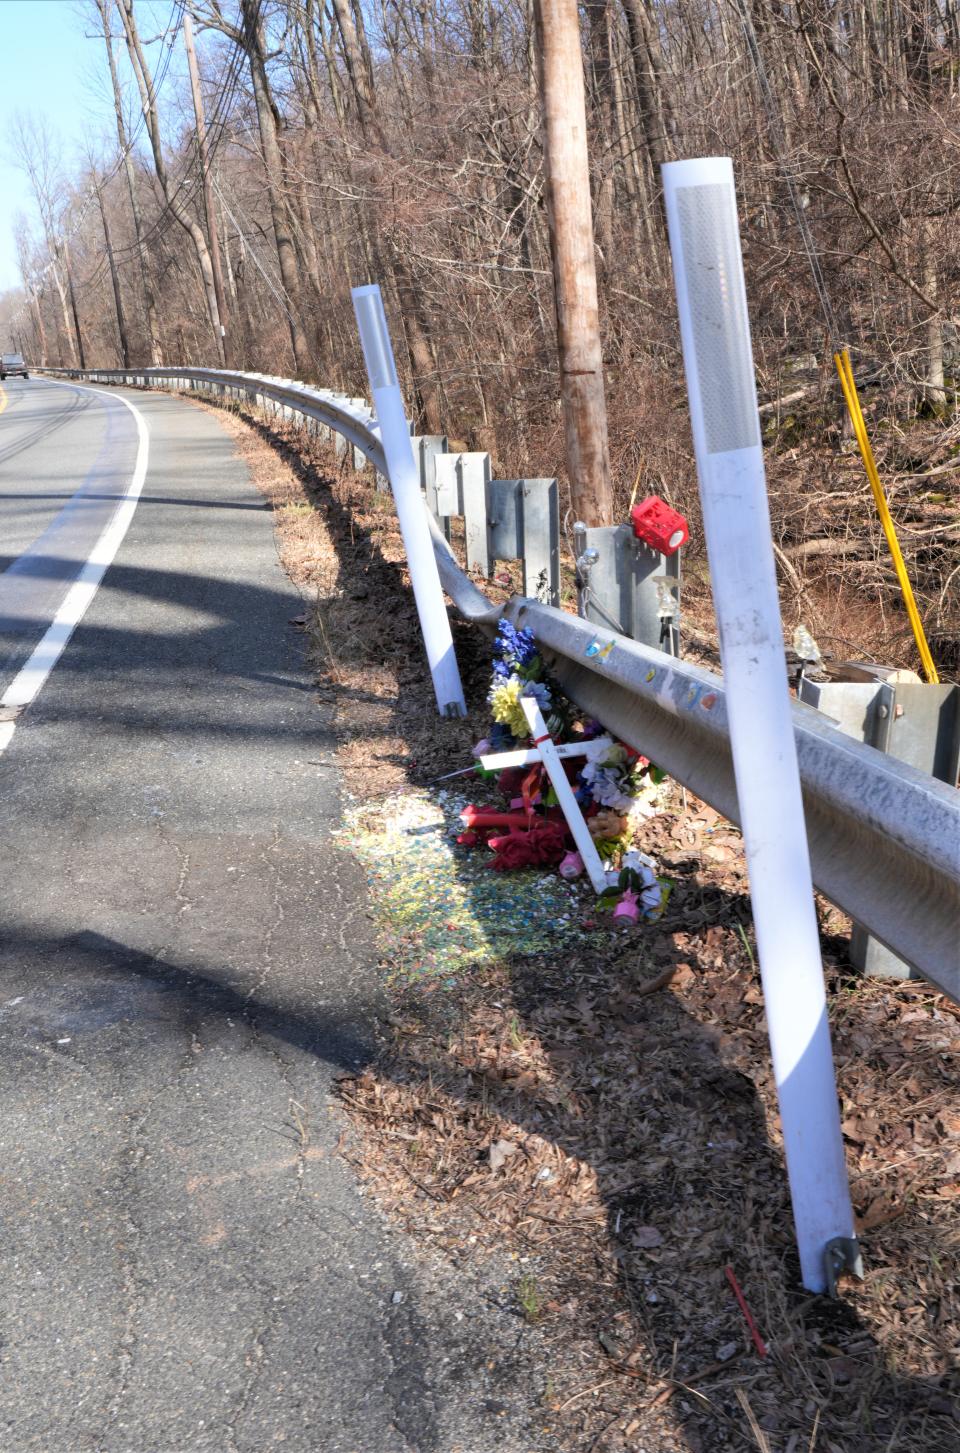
{"x":506,"y":708}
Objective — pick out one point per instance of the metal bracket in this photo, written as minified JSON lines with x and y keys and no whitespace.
{"x":842,"y":1253}
{"x":587,"y":557}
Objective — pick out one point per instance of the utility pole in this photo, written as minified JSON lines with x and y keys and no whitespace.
{"x":208,"y":204}
{"x":114,"y":276}
{"x":73,"y":303}
{"x":560,"y":65}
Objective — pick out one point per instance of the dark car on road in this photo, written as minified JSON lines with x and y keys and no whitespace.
{"x":12,"y":363}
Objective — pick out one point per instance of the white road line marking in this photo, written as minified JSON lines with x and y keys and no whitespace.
{"x":28,"y":682}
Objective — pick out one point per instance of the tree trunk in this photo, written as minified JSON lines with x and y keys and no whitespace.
{"x":41,"y":330}
{"x":412,"y":317}
{"x":935,"y":393}
{"x":574,"y":271}
{"x":604,"y":195}
{"x":64,"y":316}
{"x":208,"y":206}
{"x":659,"y":126}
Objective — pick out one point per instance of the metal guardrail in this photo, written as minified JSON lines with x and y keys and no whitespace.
{"x":884,"y":838}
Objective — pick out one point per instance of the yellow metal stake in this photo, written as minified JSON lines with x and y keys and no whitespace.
{"x":844,"y":369}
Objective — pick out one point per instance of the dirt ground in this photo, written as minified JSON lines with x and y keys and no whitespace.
{"x":605,"y":1118}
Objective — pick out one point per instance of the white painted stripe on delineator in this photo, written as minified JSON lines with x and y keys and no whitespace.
{"x":28,"y":682}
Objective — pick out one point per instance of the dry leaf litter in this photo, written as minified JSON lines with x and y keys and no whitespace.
{"x":594,"y":1111}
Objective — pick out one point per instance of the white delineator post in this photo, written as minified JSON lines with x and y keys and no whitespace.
{"x":718,"y":361}
{"x":411,"y":509}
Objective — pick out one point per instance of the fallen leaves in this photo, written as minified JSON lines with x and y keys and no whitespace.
{"x":500,"y":1152}
{"x":623,"y":1137}
{"x":611,"y":1117}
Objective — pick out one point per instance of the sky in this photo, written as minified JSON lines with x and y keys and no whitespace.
{"x":45,"y":68}
{"x":51,"y":69}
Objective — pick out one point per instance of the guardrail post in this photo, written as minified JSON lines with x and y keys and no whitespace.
{"x":524,"y":525}
{"x":917,"y":722}
{"x":427,"y":447}
{"x":540,"y":519}
{"x":629,"y":587}
{"x":360,"y":460}
{"x":463,"y":488}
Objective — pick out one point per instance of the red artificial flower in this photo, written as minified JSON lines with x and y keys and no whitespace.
{"x":510,"y":782}
{"x":544,"y":843}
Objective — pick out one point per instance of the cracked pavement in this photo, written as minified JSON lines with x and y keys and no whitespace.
{"x":185,"y":965}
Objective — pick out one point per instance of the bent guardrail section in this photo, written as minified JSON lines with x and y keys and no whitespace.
{"x":884,"y":838}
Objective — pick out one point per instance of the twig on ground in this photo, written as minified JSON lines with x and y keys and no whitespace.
{"x":755,"y":1427}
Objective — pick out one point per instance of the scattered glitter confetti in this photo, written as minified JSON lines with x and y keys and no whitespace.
{"x":439,"y":909}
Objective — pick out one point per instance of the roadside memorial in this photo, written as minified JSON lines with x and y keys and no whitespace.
{"x":577,"y":803}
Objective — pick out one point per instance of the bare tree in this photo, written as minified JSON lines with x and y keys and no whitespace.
{"x":27,"y":264}
{"x":203,"y":156}
{"x":149,"y":302}
{"x":34,"y":150}
{"x":172,"y":192}
{"x":248,"y":33}
{"x":99,"y":187}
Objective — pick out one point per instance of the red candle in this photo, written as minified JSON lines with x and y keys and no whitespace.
{"x":474,"y":817}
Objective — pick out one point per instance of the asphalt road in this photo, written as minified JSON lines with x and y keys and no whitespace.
{"x":185,"y":964}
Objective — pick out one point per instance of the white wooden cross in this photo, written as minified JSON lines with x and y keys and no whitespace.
{"x":546,"y":751}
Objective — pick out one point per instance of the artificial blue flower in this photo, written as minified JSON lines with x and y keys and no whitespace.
{"x":541,"y":691}
{"x":516,"y":648}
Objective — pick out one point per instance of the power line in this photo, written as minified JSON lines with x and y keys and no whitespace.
{"x":217,"y":123}
{"x":280,"y":297}
{"x":165,"y":219}
{"x":217,"y":131}
{"x":220,"y":114}
{"x":779,"y":143}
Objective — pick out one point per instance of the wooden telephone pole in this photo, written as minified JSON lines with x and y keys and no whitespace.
{"x":208,"y":205}
{"x":570,"y":217}
{"x":114,"y":275}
